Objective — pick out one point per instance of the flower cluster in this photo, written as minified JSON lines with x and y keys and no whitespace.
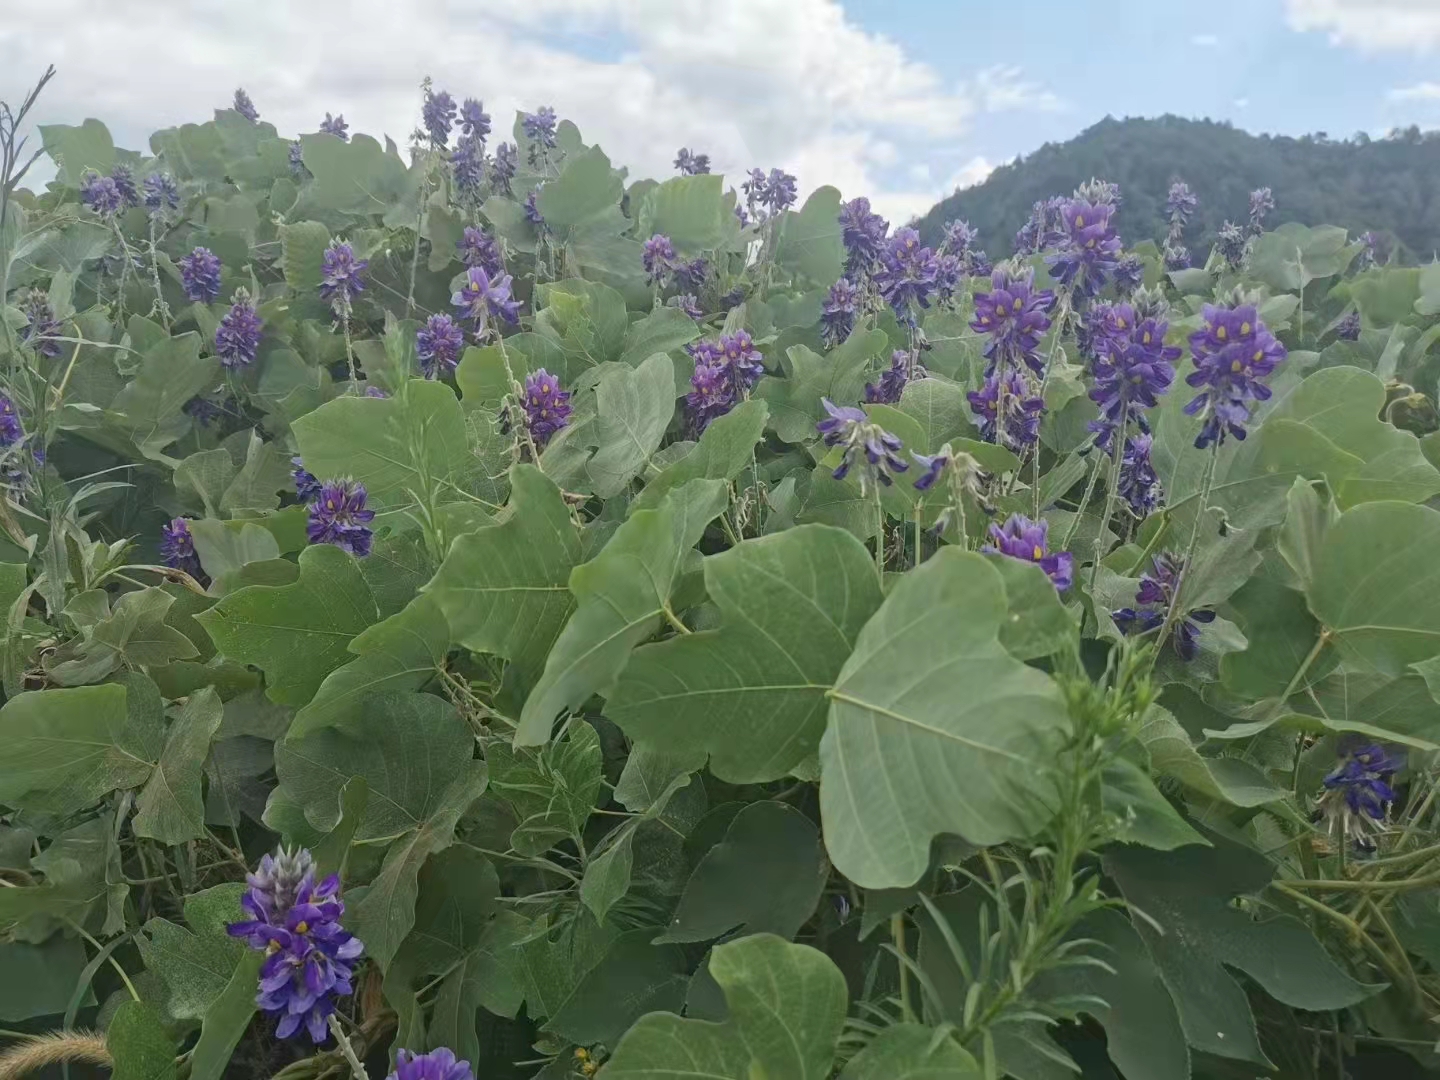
{"x":503,"y":166}
{"x":1180,"y":204}
{"x":1348,"y":328}
{"x":479,"y":248}
{"x":237,"y":338}
{"x":658,"y":257}
{"x":1231,"y":244}
{"x":1357,"y":793}
{"x":307,"y":487}
{"x":483,"y":296}
{"x":909,"y":274}
{"x":125,"y":184}
{"x":866,"y":447}
{"x":725,"y":371}
{"x":1133,"y":367}
{"x":1028,"y":541}
{"x":41,"y":326}
{"x":336,"y":126}
{"x":1262,"y":201}
{"x":340,"y":275}
{"x":1043,"y":224}
{"x":101,"y":194}
{"x":12,"y":431}
{"x":245,"y":107}
{"x":1129,"y":274}
{"x":438,"y":1064}
{"x":338,"y":516}
{"x":309,"y":956}
{"x":437,"y":345}
{"x":1015,"y":316}
{"x":1153,"y":600}
{"x":837,"y":316}
{"x":200,"y":275}
{"x":177,"y":548}
{"x":1008,"y":410}
{"x":467,"y":166}
{"x":532,"y":209}
{"x":887,"y":389}
{"x":959,"y":243}
{"x":863,"y":232}
{"x":547,"y":406}
{"x":1373,"y":253}
{"x":690,"y":163}
{"x":474,"y":120}
{"x":1088,"y":248}
{"x":1138,"y":483}
{"x":297,"y":158}
{"x":539,"y":128}
{"x":767,"y":195}
{"x":438,"y":116}
{"x":162,"y":194}
{"x":1234,"y":353}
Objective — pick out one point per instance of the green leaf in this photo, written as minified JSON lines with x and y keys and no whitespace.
{"x":65,"y":749}
{"x":786,"y":1008}
{"x":840,"y":376}
{"x":725,"y":448}
{"x":139,"y":1044}
{"x":302,"y":249}
{"x":1194,"y":930}
{"x":552,"y":791}
{"x":226,"y":1020}
{"x":941,"y":409}
{"x":355,"y":177}
{"x":397,"y":447}
{"x":664,"y":329}
{"x":634,"y":407}
{"x":39,"y":979}
{"x":1281,"y":632}
{"x":1228,"y":779}
{"x":227,"y":547}
{"x":1146,"y":816}
{"x":586,"y":189}
{"x":504,"y":590}
{"x":765,"y":877}
{"x":808,"y":243}
{"x":170,"y":808}
{"x":76,"y":149}
{"x":134,"y":632}
{"x":935,"y":728}
{"x":208,"y":473}
{"x":1037,"y":623}
{"x":195,"y":965}
{"x":752,"y":693}
{"x":635,"y":976}
{"x":297,"y":634}
{"x":401,"y":653}
{"x":1377,"y":584}
{"x":620,"y":595}
{"x":149,"y":408}
{"x":1294,"y":255}
{"x":911,"y":1052}
{"x":690,"y":210}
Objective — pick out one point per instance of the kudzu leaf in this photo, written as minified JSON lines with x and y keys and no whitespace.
{"x":1146,"y":816}
{"x":40,"y":979}
{"x":808,"y":241}
{"x":794,"y":400}
{"x":149,"y":408}
{"x":170,"y":808}
{"x":935,"y":728}
{"x":226,"y":1020}
{"x":633,"y":408}
{"x":1037,"y":623}
{"x":911,"y":1052}
{"x":195,"y":962}
{"x":585,"y":190}
{"x":139,"y":1044}
{"x":302,"y":249}
{"x":752,"y":693}
{"x":620,"y":595}
{"x":941,"y":409}
{"x":635,"y":976}
{"x":1281,"y":632}
{"x":78,"y":148}
{"x":690,"y":210}
{"x":663,"y":330}
{"x":725,"y":448}
{"x":504,"y":589}
{"x":1228,"y":779}
{"x":786,"y":1008}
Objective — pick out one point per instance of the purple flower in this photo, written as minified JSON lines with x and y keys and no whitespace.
{"x":467,"y":165}
{"x":1373,"y":253}
{"x":1027,"y":541}
{"x":439,"y":1064}
{"x":1088,"y":250}
{"x":1042,"y":227}
{"x":340,"y":270}
{"x":1129,"y":274}
{"x":1177,"y":256}
{"x":474,"y":120}
{"x":1348,"y":328}
{"x":1016,"y":318}
{"x":769,"y":193}
{"x":887,"y":389}
{"x":481,"y":296}
{"x":863,"y":233}
{"x":1234,"y":353}
{"x":837,"y":318}
{"x":161,"y":193}
{"x":712,"y":393}
{"x":1133,"y":367}
{"x":297,"y":158}
{"x":437,"y":345}
{"x":177,"y":547}
{"x":908,"y":274}
{"x":959,"y":237}
{"x":307,"y":488}
{"x":372,"y":391}
{"x":1153,"y":600}
{"x":479,"y":248}
{"x":1180,"y":203}
{"x":338,"y":516}
{"x":1009,"y":412}
{"x":1357,"y":794}
{"x":1262,"y":201}
{"x":238,"y":336}
{"x":101,"y":194}
{"x":438,"y":115}
{"x":934,"y":466}
{"x":125,"y":184}
{"x":504,"y":165}
{"x":532,"y":209}
{"x":745,"y":362}
{"x":200,"y":275}
{"x":866,"y":446}
{"x":1230,"y":243}
{"x":691,"y":164}
{"x":547,"y":406}
{"x":245,"y":107}
{"x":336,"y":126}
{"x":1139,"y":484}
{"x":658,"y":258}
{"x":539,"y":128}
{"x":41,"y":326}
{"x":204,"y":411}
{"x":12,"y":431}
{"x":689,"y":303}
{"x":309,"y":955}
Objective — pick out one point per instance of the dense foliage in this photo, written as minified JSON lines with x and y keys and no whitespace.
{"x":481,"y":612}
{"x":1390,"y":185}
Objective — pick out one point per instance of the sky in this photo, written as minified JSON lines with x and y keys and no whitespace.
{"x":900,"y":100}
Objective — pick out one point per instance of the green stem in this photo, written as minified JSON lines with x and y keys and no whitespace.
{"x":897,"y":935}
{"x":351,"y":1058}
{"x":1112,"y":492}
{"x":124,"y":978}
{"x":919,"y":506}
{"x":1084,"y":502}
{"x":1172,"y":613}
{"x":161,"y":306}
{"x":349,"y":350}
{"x":879,"y":537}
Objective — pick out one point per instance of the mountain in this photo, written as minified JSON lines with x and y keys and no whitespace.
{"x":1389,"y":185}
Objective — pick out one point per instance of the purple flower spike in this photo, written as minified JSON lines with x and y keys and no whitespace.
{"x":863,"y":233}
{"x":245,"y":107}
{"x":1262,"y":201}
{"x":1357,"y":792}
{"x":336,"y":126}
{"x":1153,"y":599}
{"x":1139,"y":484}
{"x":340,"y":275}
{"x":1133,"y":365}
{"x":909,"y":274}
{"x":547,"y":406}
{"x":479,"y":248}
{"x":437,"y":346}
{"x":439,"y":1064}
{"x":837,"y":317}
{"x":467,"y":165}
{"x":338,"y":516}
{"x":177,"y":548}
{"x":307,"y":488}
{"x":1231,"y":244}
{"x":482,"y":296}
{"x":887,"y":389}
{"x":867,"y":448}
{"x":1009,"y":411}
{"x":1234,"y":353}
{"x":101,"y":194}
{"x":1089,"y":249}
{"x":161,"y":194}
{"x":41,"y":326}
{"x":691,"y":164}
{"x":237,"y":338}
{"x":200,"y":275}
{"x":125,"y":184}
{"x":474,"y":120}
{"x":539,"y":126}
{"x":504,"y":166}
{"x":12,"y":431}
{"x":1027,"y":541}
{"x":658,"y":258}
{"x":1348,"y":328}
{"x":438,"y":115}
{"x":1015,"y":316}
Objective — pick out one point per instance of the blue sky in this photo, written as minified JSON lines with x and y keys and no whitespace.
{"x":901,"y":100}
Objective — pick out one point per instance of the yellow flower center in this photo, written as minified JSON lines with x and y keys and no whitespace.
{"x":1236,"y":365}
{"x":1244,"y":328}
{"x":1038,"y":554}
{"x":1220,"y":333}
{"x":302,"y":927}
{"x":1079,"y":222}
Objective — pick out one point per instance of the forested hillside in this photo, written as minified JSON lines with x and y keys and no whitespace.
{"x":1389,"y":185}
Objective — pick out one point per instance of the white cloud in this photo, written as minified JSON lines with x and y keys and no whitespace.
{"x":1372,"y":25}
{"x":1241,"y":103}
{"x":750,"y":82}
{"x":1425,"y":91}
{"x":1205,"y":41}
